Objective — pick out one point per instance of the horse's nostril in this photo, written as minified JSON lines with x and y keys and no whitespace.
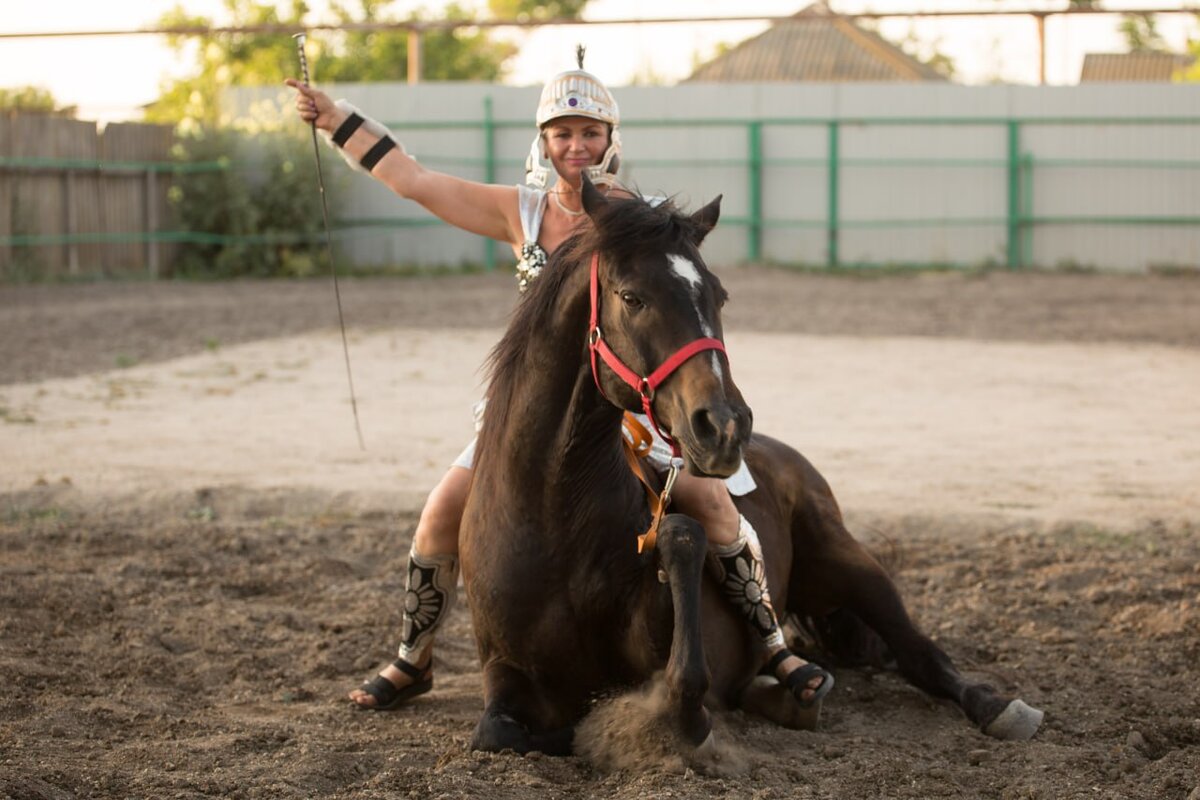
{"x":704,"y":427}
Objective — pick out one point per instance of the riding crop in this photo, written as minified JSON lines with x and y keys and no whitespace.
{"x":300,"y":39}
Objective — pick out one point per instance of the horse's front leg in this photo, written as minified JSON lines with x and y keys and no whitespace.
{"x":682,"y":547}
{"x":511,"y":698}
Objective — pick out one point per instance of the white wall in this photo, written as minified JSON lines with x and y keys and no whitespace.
{"x":948,"y":208}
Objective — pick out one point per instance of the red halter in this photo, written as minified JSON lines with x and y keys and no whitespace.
{"x":643,"y":386}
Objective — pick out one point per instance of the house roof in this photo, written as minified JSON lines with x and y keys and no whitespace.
{"x":1132,"y":66}
{"x":816,"y":44}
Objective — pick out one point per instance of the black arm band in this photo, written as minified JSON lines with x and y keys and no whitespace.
{"x":377,"y":152}
{"x":347,"y":129}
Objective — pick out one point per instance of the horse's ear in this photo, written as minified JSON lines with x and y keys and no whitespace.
{"x":706,"y":218}
{"x":593,"y":200}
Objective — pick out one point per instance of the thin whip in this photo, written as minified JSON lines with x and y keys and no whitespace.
{"x":337,"y":293}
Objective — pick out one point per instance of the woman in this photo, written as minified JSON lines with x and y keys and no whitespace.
{"x":577,"y":121}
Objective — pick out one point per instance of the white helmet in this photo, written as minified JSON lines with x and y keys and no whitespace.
{"x":576,"y":93}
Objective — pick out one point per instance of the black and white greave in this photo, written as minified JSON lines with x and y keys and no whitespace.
{"x":744,"y":582}
{"x":429,"y":594}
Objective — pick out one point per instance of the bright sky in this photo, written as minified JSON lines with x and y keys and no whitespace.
{"x":109,"y":77}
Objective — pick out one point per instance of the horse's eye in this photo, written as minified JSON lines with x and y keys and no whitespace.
{"x":631,"y":300}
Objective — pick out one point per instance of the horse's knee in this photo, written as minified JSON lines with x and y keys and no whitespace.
{"x":680,"y":539}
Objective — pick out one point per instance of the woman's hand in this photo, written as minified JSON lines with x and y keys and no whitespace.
{"x":315,"y":106}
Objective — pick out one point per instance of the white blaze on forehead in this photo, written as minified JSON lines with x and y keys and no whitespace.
{"x":687,"y":272}
{"x":684,"y":268}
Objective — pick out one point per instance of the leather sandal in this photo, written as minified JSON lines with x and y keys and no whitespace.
{"x":797,"y":680}
{"x":388,"y":697}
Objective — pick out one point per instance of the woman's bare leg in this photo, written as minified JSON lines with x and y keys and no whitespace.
{"x":435,"y":542}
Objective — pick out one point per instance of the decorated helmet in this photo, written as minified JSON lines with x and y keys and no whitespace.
{"x":576,"y":93}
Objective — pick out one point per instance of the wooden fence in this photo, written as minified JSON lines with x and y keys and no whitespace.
{"x":77,"y":200}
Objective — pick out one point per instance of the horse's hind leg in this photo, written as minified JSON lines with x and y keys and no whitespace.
{"x":682,"y":548}
{"x":864,"y":588}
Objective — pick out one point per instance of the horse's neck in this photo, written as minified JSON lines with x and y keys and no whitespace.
{"x":561,"y":444}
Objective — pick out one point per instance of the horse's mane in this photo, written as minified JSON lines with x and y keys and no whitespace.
{"x":622,"y":229}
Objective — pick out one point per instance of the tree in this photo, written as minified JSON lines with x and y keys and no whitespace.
{"x":32,"y":98}
{"x":1141,"y":34}
{"x":240,"y":59}
{"x":928,"y":54}
{"x":536,"y":10}
{"x":258,"y":59}
{"x":446,"y":55}
{"x":1192,"y":73}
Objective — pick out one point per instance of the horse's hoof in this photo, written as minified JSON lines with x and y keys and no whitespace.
{"x":697,"y":730}
{"x":1018,"y":722}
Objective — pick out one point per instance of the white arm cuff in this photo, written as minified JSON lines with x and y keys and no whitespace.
{"x":377,"y":129}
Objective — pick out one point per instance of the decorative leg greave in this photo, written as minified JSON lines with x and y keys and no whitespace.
{"x":744,"y":581}
{"x":429,"y":595}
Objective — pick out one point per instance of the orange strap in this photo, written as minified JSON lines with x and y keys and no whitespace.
{"x":634,"y":452}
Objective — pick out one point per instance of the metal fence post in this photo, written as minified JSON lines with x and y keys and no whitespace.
{"x":1026,"y":210}
{"x":1014,"y":194}
{"x":489,"y":173}
{"x":69,"y":221}
{"x":834,"y":201}
{"x":755,"y":223}
{"x":151,"y":224}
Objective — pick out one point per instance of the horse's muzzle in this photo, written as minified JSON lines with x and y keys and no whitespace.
{"x":715,"y":437}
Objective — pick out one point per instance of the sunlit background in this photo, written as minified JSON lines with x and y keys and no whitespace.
{"x":112,"y":77}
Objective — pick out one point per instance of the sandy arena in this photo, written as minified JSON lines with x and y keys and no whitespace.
{"x":197,"y":560}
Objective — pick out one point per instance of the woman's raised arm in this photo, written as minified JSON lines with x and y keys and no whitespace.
{"x":480,"y":208}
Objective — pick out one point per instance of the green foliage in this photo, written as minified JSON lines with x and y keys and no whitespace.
{"x":265,"y":59}
{"x":242,"y":59}
{"x":1141,"y":34}
{"x":536,"y":10}
{"x":264,"y":193}
{"x":446,"y":55}
{"x":928,"y":54}
{"x":1192,"y":73}
{"x":32,"y":98}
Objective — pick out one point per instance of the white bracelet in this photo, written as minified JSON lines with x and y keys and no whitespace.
{"x":372,"y":127}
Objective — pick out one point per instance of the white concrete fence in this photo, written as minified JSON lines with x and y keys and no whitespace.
{"x":1097,"y":176}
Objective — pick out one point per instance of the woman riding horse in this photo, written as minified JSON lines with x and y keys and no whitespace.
{"x":577,"y":120}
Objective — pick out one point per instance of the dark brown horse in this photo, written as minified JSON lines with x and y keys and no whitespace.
{"x":564,"y":606}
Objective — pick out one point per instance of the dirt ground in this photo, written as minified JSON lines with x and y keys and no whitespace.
{"x":197,"y":561}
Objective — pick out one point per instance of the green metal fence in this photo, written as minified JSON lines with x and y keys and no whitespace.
{"x":1021,"y":168}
